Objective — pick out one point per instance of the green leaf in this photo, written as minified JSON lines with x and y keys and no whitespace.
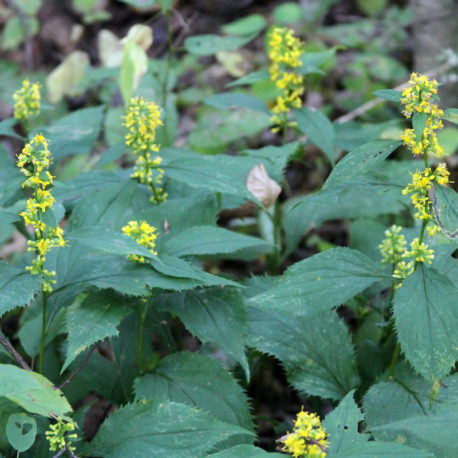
{"x":161,"y":430}
{"x":233,"y":99}
{"x":445,"y":206}
{"x":419,"y":124}
{"x":199,"y":381}
{"x":431,"y":346}
{"x":32,"y":391}
{"x":359,"y":161}
{"x":21,"y":430}
{"x":111,"y":154}
{"x":141,"y":3}
{"x":311,"y":61}
{"x":6,"y":128}
{"x":213,"y":315}
{"x":104,"y":239}
{"x":378,"y":449}
{"x":247,"y":451}
{"x":319,"y":129}
{"x":205,"y":240}
{"x":206,"y":45}
{"x":17,"y":287}
{"x":388,"y":94}
{"x":288,"y":13}
{"x":435,"y":433}
{"x":253,"y":23}
{"x":316,"y":350}
{"x":451,"y":115}
{"x":342,"y":425}
{"x":372,"y":8}
{"x":320,"y":282}
{"x":74,"y":133}
{"x":94,"y":318}
{"x":251,"y":78}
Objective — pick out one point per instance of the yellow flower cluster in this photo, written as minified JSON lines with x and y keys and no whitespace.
{"x":417,"y":99}
{"x":285,"y":51}
{"x":58,"y":437}
{"x":142,"y":233}
{"x":420,"y":252}
{"x":420,"y":186}
{"x":27,"y":100}
{"x":308,"y":438}
{"x":142,"y":119}
{"x":34,"y":162}
{"x":393,"y":245}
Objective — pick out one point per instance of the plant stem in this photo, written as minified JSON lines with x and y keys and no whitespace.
{"x":277,"y":237}
{"x":141,"y":325}
{"x":394,"y":360}
{"x":43,"y":335}
{"x":11,"y":350}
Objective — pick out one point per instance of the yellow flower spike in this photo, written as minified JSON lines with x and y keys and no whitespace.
{"x":285,"y":51}
{"x":420,"y":252}
{"x":142,"y":119}
{"x":27,"y":100}
{"x":34,"y":162}
{"x":393,"y":245}
{"x":143,"y":234}
{"x":58,"y":436}
{"x":308,"y":438}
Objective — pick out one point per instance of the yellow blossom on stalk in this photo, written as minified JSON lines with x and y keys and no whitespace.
{"x":308,"y":438}
{"x":34,"y":162}
{"x":417,"y":98}
{"x":285,"y":52}
{"x":142,"y":119}
{"x":27,"y":100}
{"x":420,"y":252}
{"x":142,"y":233}
{"x":393,"y":245}
{"x":58,"y":436}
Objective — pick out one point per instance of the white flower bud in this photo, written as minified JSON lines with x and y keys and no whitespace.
{"x":262,"y":186}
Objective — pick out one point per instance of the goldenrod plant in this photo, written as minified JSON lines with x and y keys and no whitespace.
{"x":193,"y":246}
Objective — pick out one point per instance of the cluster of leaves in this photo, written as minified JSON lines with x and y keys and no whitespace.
{"x":114,"y":328}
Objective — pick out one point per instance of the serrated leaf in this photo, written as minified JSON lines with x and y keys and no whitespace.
{"x":342,"y":425}
{"x":377,"y":449}
{"x":359,"y":161}
{"x":206,"y":45}
{"x":96,"y":317}
{"x":388,"y":94}
{"x":17,"y":287}
{"x":32,"y":391}
{"x":178,"y":431}
{"x":74,"y":133}
{"x":320,"y":282}
{"x":445,"y":207}
{"x":251,"y":78}
{"x":316,"y":351}
{"x":231,"y":100}
{"x":199,"y":381}
{"x":212,"y":315}
{"x":431,"y":346}
{"x":319,"y":129}
{"x":206,"y":240}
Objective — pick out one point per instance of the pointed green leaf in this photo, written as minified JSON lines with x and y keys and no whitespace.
{"x":32,"y":391}
{"x":419,"y":124}
{"x":17,"y":287}
{"x":199,"y":381}
{"x":230,"y":100}
{"x":94,"y":318}
{"x":212,"y":315}
{"x":316,"y":351}
{"x":320,"y":282}
{"x":388,"y":94}
{"x":161,"y":430}
{"x":251,"y":78}
{"x":206,"y":45}
{"x":431,"y":346}
{"x":253,"y":23}
{"x":205,"y":240}
{"x":247,"y":451}
{"x":445,"y":206}
{"x":319,"y":129}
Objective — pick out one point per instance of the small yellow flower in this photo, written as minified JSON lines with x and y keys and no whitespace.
{"x":142,"y":233}
{"x":58,"y":436}
{"x":285,"y":52}
{"x":27,"y":100}
{"x":420,"y":252}
{"x":393,"y":245}
{"x":308,"y":438}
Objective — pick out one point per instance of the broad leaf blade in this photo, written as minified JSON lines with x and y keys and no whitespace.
{"x":206,"y":45}
{"x":445,"y":206}
{"x":168,"y":430}
{"x":32,"y":391}
{"x":431,"y":346}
